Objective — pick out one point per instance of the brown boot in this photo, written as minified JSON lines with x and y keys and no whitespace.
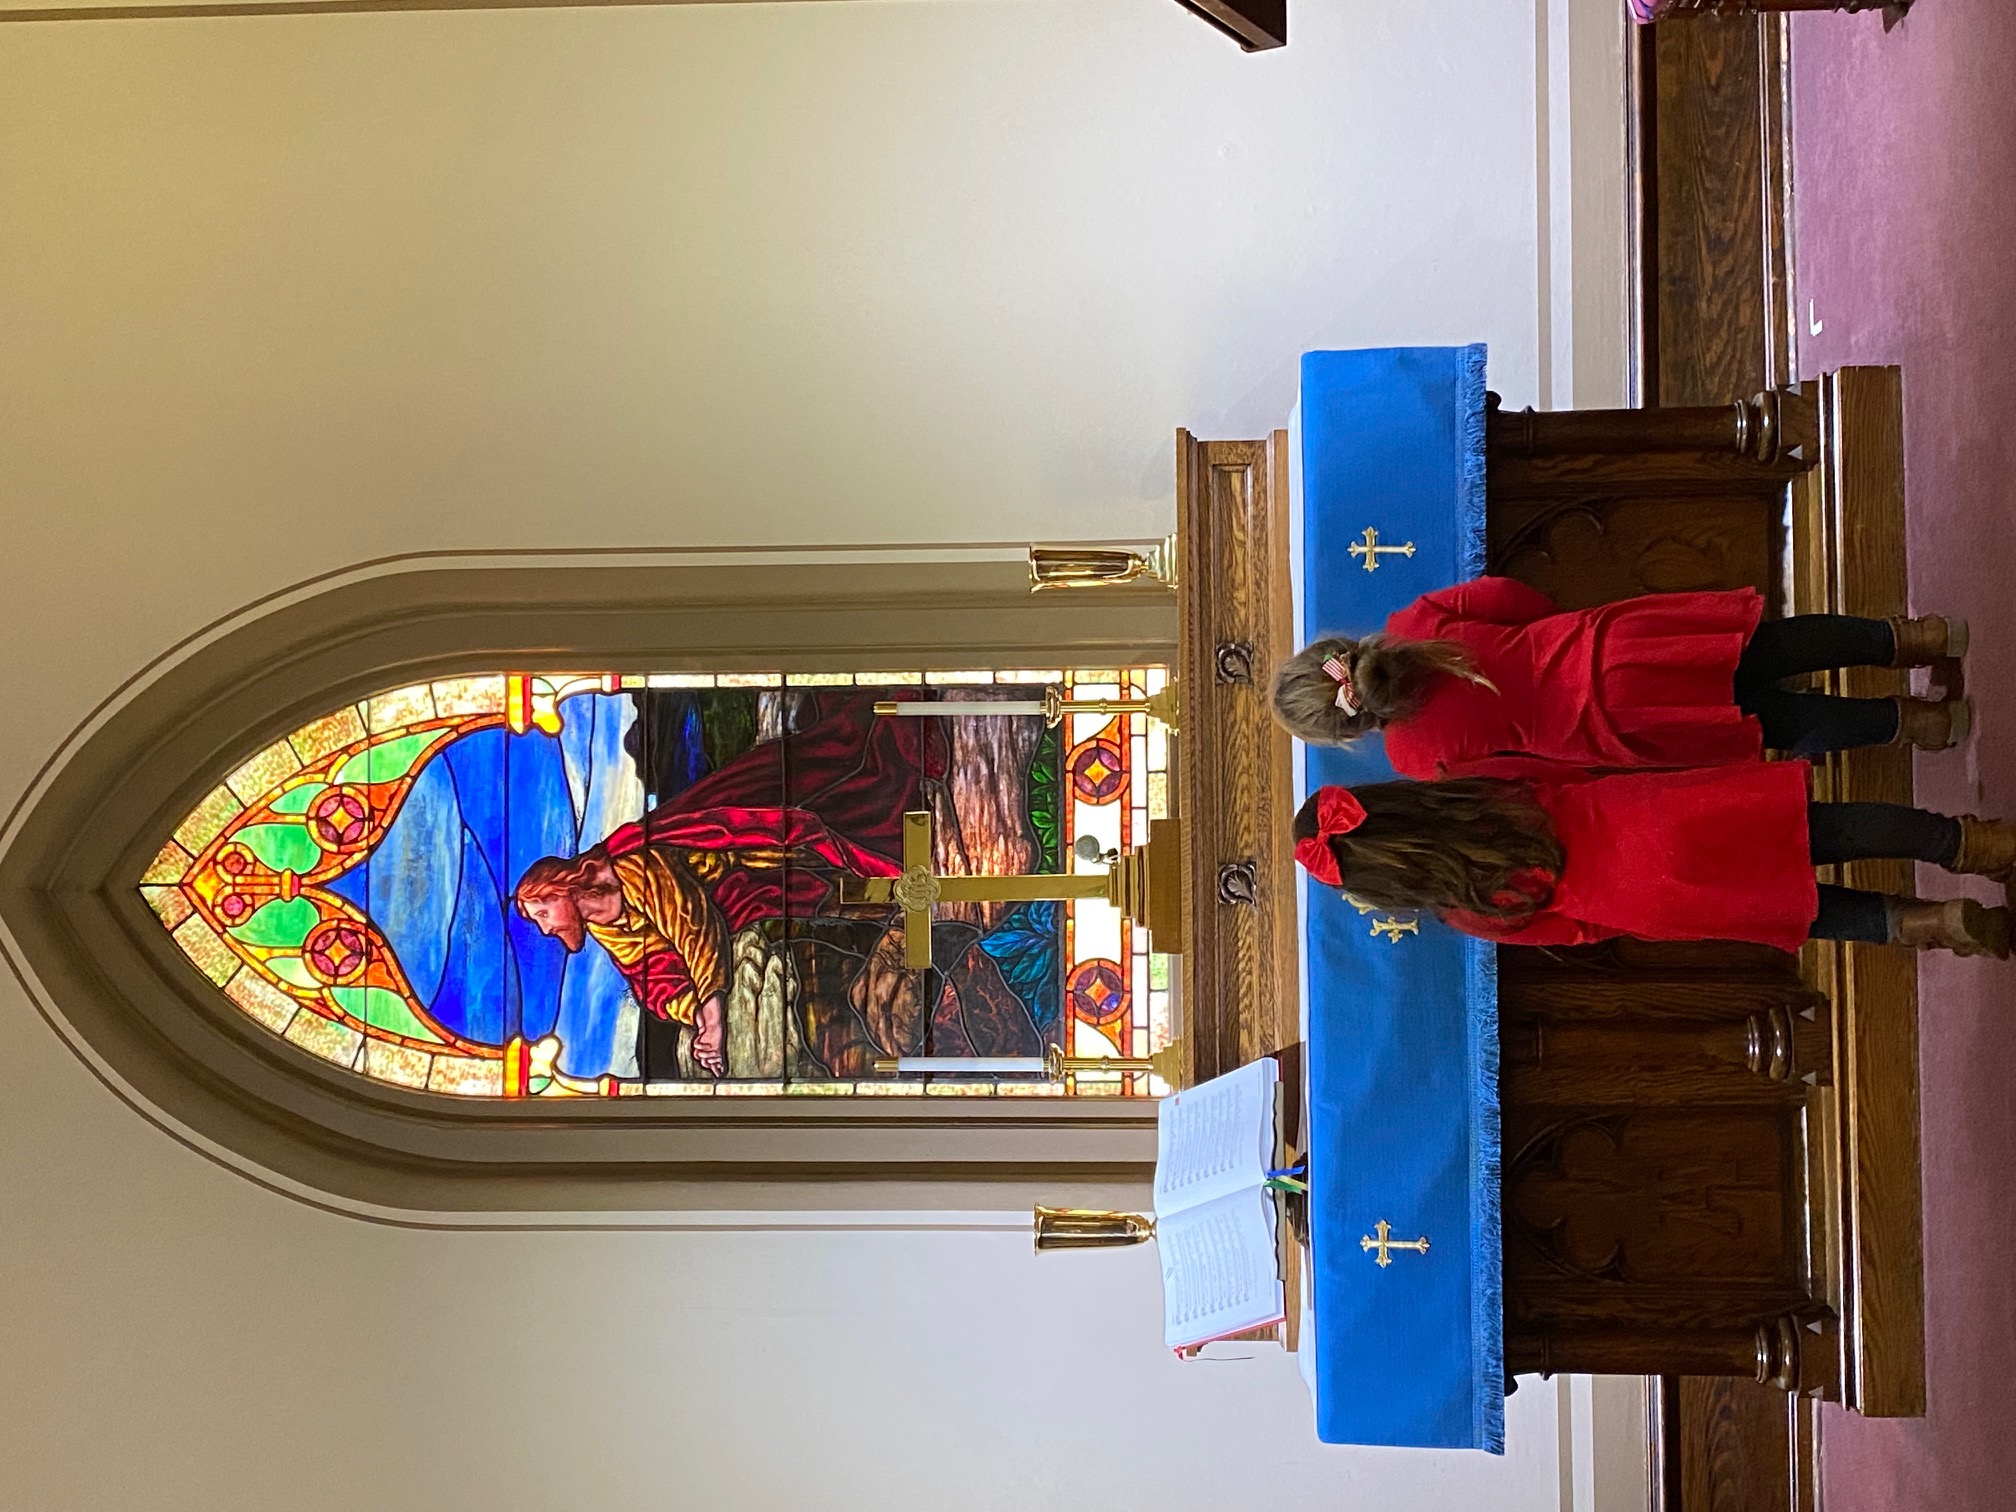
{"x":1961,"y":925}
{"x":1931,"y":725}
{"x":1928,"y":639}
{"x":1987,"y":848}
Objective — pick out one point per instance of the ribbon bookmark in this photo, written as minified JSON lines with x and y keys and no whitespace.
{"x":1340,"y":673}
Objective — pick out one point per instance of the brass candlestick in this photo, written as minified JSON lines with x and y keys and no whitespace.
{"x":1100,"y":566}
{"x":1166,"y":1063}
{"x":1162,"y":706}
{"x":1090,"y":1228}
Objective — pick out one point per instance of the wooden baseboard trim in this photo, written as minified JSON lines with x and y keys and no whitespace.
{"x":1849,"y":521}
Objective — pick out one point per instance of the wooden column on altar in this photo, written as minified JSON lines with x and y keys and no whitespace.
{"x":1710,"y":1150}
{"x":1235,"y":774}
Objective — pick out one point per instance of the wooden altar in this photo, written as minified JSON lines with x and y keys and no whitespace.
{"x":1711,"y":1156}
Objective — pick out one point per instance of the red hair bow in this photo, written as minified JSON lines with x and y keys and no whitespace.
{"x":1338,"y":812}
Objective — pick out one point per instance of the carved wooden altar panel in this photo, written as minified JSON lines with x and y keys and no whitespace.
{"x":1654,"y":1095}
{"x":1655,"y":1161}
{"x":1236,"y":779}
{"x":1591,"y":526}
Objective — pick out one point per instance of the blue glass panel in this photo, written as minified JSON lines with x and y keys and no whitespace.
{"x":538,"y":815}
{"x":474,"y":1000}
{"x":1029,"y":948}
{"x":477,"y":764}
{"x":596,"y":1014}
{"x":411,"y":880}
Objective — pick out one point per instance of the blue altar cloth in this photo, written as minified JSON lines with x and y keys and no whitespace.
{"x":1402,"y":1027}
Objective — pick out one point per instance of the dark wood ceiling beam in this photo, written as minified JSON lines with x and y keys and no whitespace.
{"x":1254,"y":24}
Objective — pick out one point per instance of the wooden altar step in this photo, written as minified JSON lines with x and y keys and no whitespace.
{"x":1729,"y":1443}
{"x":1848,"y":558}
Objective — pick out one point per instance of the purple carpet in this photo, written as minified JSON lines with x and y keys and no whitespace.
{"x":1905,"y":173}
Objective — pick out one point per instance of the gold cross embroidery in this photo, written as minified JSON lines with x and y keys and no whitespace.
{"x":1369,"y":550}
{"x":1392,"y":929}
{"x":1385,"y":1244}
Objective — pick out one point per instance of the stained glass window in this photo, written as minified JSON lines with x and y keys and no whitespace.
{"x":516,"y":885}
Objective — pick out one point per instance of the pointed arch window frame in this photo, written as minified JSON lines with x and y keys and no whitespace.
{"x":115,"y":987}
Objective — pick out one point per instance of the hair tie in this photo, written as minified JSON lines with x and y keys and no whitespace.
{"x":1338,"y":812}
{"x":1340,"y":673}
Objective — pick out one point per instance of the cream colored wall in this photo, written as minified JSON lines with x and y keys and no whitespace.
{"x":1584,"y":176}
{"x":281,"y":295}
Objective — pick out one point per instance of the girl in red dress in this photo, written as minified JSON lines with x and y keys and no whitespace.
{"x":1719,"y":853}
{"x":1491,"y":668}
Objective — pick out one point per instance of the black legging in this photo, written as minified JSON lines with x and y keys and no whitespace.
{"x":1840,"y":832}
{"x":1810,"y":724}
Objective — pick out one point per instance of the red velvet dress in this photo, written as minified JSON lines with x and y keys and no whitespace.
{"x":1644,"y":682}
{"x":1715,"y":854}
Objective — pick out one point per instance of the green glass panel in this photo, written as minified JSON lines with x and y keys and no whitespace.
{"x":284,"y":847}
{"x":385,"y":763}
{"x":293,"y":969}
{"x":280,"y":925}
{"x":296,"y":800}
{"x":1045,"y":792}
{"x":383,"y":1009}
{"x":727,"y":723}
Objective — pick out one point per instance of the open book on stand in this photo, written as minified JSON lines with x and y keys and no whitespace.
{"x":1218,"y":1225}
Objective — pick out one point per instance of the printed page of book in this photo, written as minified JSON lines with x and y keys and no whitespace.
{"x":1220,"y":1273}
{"x":1215,"y":1139}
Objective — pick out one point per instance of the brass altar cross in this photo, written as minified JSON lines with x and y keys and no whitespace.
{"x":1369,"y":550}
{"x":1385,"y":1244}
{"x":1125,"y":885}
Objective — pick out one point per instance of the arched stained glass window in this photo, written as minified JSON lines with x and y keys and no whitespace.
{"x":613,"y":885}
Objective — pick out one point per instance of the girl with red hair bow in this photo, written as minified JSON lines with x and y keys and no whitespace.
{"x":1491,"y":668}
{"x":1720,"y":853}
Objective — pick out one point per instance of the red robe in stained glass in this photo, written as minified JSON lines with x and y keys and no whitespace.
{"x":827,"y":799}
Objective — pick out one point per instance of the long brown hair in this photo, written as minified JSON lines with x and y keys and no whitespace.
{"x":586,"y":874}
{"x":1392,"y":678}
{"x":1443,"y":845}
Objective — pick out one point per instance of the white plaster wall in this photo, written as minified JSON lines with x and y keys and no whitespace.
{"x":278,"y":295}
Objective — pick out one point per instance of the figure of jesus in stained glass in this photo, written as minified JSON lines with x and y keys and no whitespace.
{"x":668,"y":895}
{"x":603,"y":884}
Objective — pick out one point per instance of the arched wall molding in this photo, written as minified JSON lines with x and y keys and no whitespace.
{"x":115,"y":988}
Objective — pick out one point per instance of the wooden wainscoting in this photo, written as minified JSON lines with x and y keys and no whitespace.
{"x":1235,"y":767}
